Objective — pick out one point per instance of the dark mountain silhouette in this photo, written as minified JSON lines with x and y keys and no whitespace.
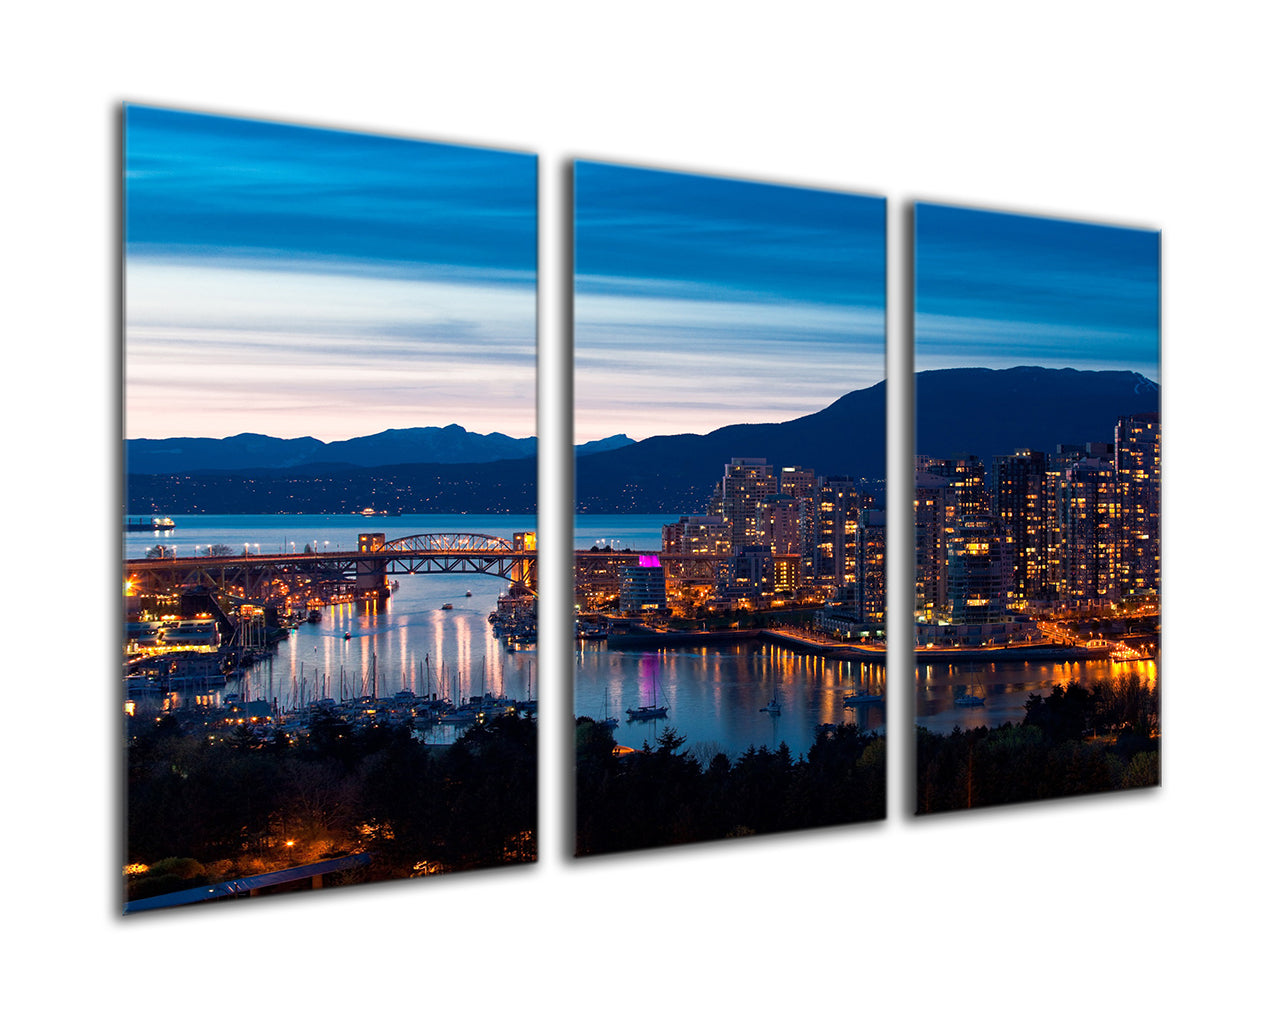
{"x":449,"y":444}
{"x":993,"y":411}
{"x":676,"y":473}
{"x":974,"y":411}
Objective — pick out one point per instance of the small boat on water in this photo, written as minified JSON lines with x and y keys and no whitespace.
{"x":646,"y":712}
{"x":159,"y":523}
{"x":966,"y":700}
{"x":650,"y":712}
{"x":313,"y":617}
{"x":468,"y":593}
{"x":861,"y":697}
{"x":447,"y":606}
{"x":347,"y":637}
{"x":774,"y":708}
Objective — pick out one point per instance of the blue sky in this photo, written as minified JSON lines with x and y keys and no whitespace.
{"x":703,"y":301}
{"x":996,"y":290}
{"x":298,"y":281}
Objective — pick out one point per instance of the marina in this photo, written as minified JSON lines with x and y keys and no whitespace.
{"x":402,"y":658}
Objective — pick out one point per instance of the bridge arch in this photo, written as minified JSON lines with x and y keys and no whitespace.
{"x":514,"y":559}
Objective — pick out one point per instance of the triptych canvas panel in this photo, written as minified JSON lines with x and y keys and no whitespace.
{"x":330,"y":345}
{"x":729,"y":344}
{"x":330,"y":541}
{"x":1037,"y":508}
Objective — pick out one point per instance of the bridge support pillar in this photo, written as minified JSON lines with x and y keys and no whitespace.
{"x":371,"y":575}
{"x":525,"y":572}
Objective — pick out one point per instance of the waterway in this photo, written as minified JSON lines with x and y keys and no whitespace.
{"x":408,"y":641}
{"x":714,"y":694}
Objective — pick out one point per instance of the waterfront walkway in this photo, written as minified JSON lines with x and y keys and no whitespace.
{"x":806,"y":641}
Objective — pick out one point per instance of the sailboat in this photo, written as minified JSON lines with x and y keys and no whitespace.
{"x":649,"y":712}
{"x":964,"y":699}
{"x":605,"y":719}
{"x":774,"y":708}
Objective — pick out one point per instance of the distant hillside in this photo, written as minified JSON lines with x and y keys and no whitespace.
{"x":975,"y":411}
{"x":675,"y":474}
{"x":992,"y":411}
{"x":449,"y":444}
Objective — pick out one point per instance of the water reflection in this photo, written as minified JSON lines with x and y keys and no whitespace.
{"x":1005,"y":688}
{"x":714,"y":694}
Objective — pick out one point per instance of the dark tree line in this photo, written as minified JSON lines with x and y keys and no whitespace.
{"x":243,"y":804}
{"x":1074,"y":741}
{"x":660,"y":796}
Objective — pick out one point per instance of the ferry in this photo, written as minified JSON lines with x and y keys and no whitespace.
{"x":155,"y":524}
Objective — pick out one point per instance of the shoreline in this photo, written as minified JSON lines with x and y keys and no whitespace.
{"x":873,"y":653}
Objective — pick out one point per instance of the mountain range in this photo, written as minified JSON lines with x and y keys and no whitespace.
{"x":973,"y":411}
{"x":450,"y":444}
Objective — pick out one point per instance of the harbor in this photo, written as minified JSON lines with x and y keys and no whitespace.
{"x":399,"y":658}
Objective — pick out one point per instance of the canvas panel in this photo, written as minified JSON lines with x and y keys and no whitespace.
{"x":729,"y":563}
{"x":1037,"y":508}
{"x":329,"y":420}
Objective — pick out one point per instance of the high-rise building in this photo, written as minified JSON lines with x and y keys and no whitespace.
{"x":968,"y":478}
{"x":749,"y":579}
{"x":1091,"y":531}
{"x":1018,"y":503}
{"x":871,"y":562}
{"x":799,"y":483}
{"x":1137,"y":468}
{"x":746,"y":482}
{"x":697,"y":535}
{"x":975,"y":571}
{"x":934,"y":509}
{"x":837,"y":504}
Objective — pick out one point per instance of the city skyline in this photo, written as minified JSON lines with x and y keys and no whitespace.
{"x":683,"y":281}
{"x":298,"y":281}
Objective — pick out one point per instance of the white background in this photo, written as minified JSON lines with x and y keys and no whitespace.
{"x":1155,"y":114}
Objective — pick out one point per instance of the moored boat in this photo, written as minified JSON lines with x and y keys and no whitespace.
{"x":647,"y":712}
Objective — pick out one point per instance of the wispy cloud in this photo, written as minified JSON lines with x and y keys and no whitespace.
{"x":702,"y":302}
{"x":299,"y":281}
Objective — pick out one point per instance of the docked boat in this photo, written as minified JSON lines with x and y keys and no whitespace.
{"x":313,"y":617}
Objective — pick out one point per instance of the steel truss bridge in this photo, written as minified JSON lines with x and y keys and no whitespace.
{"x":257,"y":576}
